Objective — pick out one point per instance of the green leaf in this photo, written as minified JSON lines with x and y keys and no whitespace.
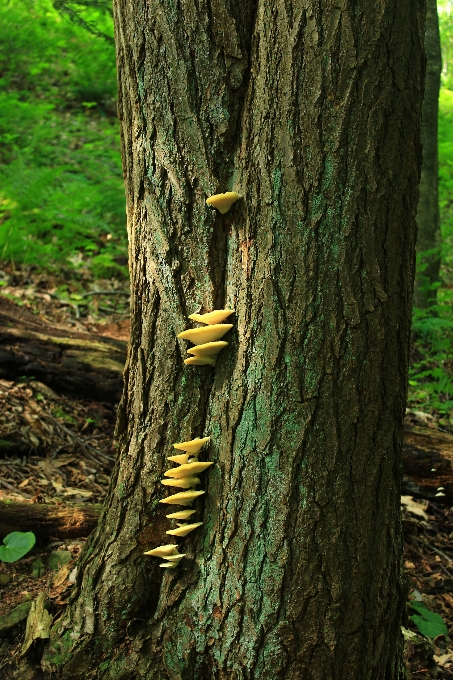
{"x":16,"y":545}
{"x":37,"y":567}
{"x":428,"y":623}
{"x":58,"y":557}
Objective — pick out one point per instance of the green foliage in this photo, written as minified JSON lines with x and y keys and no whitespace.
{"x":58,"y":558}
{"x":446,"y":35}
{"x":431,"y":369}
{"x":428,"y":623}
{"x":16,"y":545}
{"x":61,"y":187}
{"x":37,"y":567}
{"x":76,"y":11}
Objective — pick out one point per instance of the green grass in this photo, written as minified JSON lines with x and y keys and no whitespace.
{"x":61,"y":196}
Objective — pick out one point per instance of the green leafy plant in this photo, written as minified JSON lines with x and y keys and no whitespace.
{"x":428,"y":623}
{"x":16,"y":545}
{"x":62,"y":199}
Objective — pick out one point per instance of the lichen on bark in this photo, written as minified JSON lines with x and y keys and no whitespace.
{"x":311,"y":111}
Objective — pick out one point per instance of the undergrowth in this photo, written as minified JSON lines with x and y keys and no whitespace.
{"x":61,"y":196}
{"x":431,"y":369}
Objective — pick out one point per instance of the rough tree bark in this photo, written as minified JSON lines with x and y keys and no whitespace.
{"x":428,"y":218}
{"x":312,"y":111}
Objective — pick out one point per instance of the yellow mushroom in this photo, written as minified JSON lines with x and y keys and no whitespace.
{"x":200,"y":361}
{"x":182,"y":498}
{"x":175,"y":558}
{"x":199,"y":336}
{"x":214,"y":317}
{"x":193,"y":446}
{"x":169,"y":565}
{"x":223,"y":202}
{"x":182,"y":514}
{"x":181,"y":458}
{"x":187,"y":470}
{"x":184,"y":483}
{"x":184,"y":530}
{"x":207,"y":350}
{"x":163,"y":551}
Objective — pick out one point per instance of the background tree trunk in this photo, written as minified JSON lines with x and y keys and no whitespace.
{"x":428,"y":218}
{"x":312,"y":112}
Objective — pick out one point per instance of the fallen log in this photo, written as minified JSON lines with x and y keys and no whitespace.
{"x":83,"y":364}
{"x":428,"y":465}
{"x":49,"y":521}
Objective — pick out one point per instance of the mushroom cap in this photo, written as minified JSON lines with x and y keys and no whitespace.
{"x":193,"y":446}
{"x":181,"y":514}
{"x":169,"y":565}
{"x":163,"y":551}
{"x":182,"y":498}
{"x":183,"y":483}
{"x":214,"y":317}
{"x":200,"y":336}
{"x":184,"y":530}
{"x":187,"y":470}
{"x":207,"y":350}
{"x":175,"y":558}
{"x":181,"y":458}
{"x":223,"y":202}
{"x":200,"y":361}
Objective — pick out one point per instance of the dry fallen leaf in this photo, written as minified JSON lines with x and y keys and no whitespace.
{"x":443,"y":659}
{"x":69,"y":491}
{"x":415,"y":508}
{"x":62,"y":574}
{"x":38,"y":622}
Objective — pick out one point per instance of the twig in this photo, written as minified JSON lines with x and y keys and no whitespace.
{"x":84,"y":446}
{"x":10,"y":487}
{"x":431,"y":547}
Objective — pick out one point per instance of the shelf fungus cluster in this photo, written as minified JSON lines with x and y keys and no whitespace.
{"x":184,"y":477}
{"x":207,"y":339}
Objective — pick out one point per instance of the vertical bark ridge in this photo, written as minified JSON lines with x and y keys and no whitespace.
{"x":311,"y":110}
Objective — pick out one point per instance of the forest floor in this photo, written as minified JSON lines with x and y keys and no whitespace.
{"x":61,"y":451}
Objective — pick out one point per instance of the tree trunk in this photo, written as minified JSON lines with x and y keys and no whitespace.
{"x":68,"y":361}
{"x":312,"y":112}
{"x":428,"y":219}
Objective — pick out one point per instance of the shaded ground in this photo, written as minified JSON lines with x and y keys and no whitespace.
{"x":59,"y":450}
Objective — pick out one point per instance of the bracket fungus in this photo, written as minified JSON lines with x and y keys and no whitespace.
{"x":223,"y":202}
{"x":209,"y":349}
{"x":199,"y":336}
{"x":172,"y":560}
{"x":183,"y":477}
{"x":187,"y":470}
{"x":193,"y":446}
{"x":163,"y":550}
{"x":180,"y":458}
{"x":184,"y":529}
{"x":212,"y":318}
{"x":183,"y":483}
{"x":182,"y":498}
{"x":182,"y":514}
{"x":200,"y":361}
